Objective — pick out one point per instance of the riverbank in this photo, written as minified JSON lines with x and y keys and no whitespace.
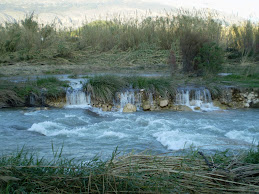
{"x":32,"y":93}
{"x":135,"y":173}
{"x":148,"y":92}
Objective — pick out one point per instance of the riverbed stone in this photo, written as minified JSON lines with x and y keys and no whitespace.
{"x":129,"y":108}
{"x":163,"y":103}
{"x":197,"y":108}
{"x":184,"y":108}
{"x":180,"y":108}
{"x":146,"y":106}
{"x":219,"y":105}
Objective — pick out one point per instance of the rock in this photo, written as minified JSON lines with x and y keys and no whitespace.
{"x":197,"y":108}
{"x":184,"y":108}
{"x":163,"y":103}
{"x":129,"y":108}
{"x":154,"y":108}
{"x":146,"y":106}
{"x":180,"y":108}
{"x":104,"y":108}
{"x":219,"y":105}
{"x":255,"y":105}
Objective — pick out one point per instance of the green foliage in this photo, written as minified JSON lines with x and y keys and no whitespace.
{"x":252,"y":156}
{"x":185,"y":38}
{"x":104,"y":88}
{"x":51,"y":87}
{"x":210,"y":58}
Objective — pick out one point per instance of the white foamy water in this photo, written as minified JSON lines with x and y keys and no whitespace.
{"x":244,"y":135}
{"x":113,"y":134}
{"x":76,"y":97}
{"x":129,"y":97}
{"x":86,"y":132}
{"x":195,"y":97}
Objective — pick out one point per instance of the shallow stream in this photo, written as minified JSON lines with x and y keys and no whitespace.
{"x":86,"y":131}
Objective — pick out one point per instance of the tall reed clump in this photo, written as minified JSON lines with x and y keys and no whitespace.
{"x":104,"y":88}
{"x":243,"y":40}
{"x":196,"y":41}
{"x":29,"y":40}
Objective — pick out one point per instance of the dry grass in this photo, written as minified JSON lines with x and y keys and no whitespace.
{"x":132,"y":173}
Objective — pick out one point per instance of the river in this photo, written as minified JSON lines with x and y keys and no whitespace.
{"x":85,"y":132}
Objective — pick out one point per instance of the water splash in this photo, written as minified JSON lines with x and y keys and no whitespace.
{"x":76,"y":96}
{"x":195,"y":97}
{"x":129,"y":97}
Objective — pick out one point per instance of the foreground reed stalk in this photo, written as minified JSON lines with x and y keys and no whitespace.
{"x":132,"y":173}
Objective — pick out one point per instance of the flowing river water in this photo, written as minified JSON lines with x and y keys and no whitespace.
{"x":85,"y":132}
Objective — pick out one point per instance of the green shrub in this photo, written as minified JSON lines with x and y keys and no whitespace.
{"x":191,"y":44}
{"x":210,"y":58}
{"x":253,"y":156}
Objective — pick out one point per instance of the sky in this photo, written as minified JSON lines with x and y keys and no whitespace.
{"x":244,"y":8}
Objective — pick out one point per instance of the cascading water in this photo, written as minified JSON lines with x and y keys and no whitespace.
{"x":195,"y":97}
{"x":129,"y":97}
{"x":76,"y":96}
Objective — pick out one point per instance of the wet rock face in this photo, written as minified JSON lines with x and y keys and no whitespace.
{"x":129,"y":108}
{"x":146,"y":106}
{"x":9,"y":99}
{"x":251,"y":99}
{"x":180,"y":108}
{"x":235,"y":98}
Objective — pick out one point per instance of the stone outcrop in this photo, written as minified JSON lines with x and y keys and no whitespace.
{"x":146,"y":106}
{"x":163,"y":103}
{"x":239,"y":97}
{"x":180,"y":108}
{"x":129,"y":108}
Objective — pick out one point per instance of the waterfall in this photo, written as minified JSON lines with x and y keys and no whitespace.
{"x":75,"y":95}
{"x":150,"y":98}
{"x":195,"y":97}
{"x":129,"y":97}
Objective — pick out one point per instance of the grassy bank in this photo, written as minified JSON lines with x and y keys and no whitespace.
{"x":189,"y":42}
{"x":104,"y":88}
{"x":135,"y":173}
{"x":16,"y":94}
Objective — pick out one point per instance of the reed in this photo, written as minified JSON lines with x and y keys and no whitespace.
{"x":133,"y":173}
{"x":182,"y":35}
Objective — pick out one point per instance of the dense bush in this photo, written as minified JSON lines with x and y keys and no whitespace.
{"x":210,"y":58}
{"x":187,"y":35}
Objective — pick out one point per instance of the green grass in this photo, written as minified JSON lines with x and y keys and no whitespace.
{"x":15,"y":93}
{"x":139,"y":43}
{"x":104,"y":88}
{"x":25,"y":172}
{"x":253,"y":156}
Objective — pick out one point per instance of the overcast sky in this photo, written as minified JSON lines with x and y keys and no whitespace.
{"x":244,"y":8}
{"x":248,"y":9}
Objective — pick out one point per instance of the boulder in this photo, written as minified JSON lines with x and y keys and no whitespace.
{"x":129,"y":108}
{"x":197,"y":108}
{"x":219,"y":105}
{"x":146,"y":106}
{"x":181,"y":108}
{"x":106,"y":107}
{"x":163,"y":103}
{"x":184,"y":108}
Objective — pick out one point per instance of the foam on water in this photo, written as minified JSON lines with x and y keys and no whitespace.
{"x":113,"y":134}
{"x":46,"y":128}
{"x":176,"y":140}
{"x":244,"y":135}
{"x":195,"y":97}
